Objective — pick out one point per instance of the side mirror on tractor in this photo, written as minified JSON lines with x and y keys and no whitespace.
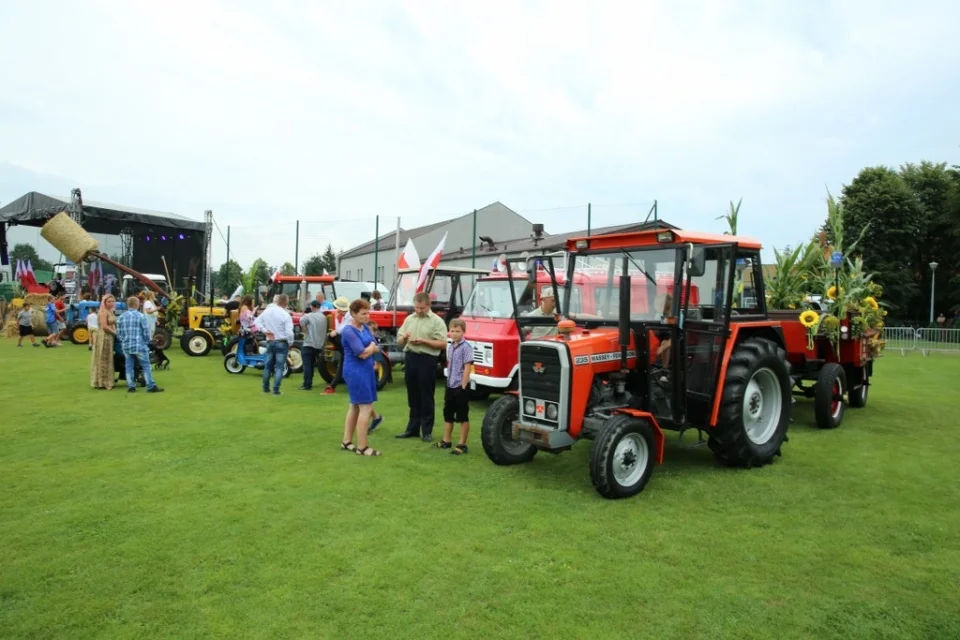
{"x":697,"y":264}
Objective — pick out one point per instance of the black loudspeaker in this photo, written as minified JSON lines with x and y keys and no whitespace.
{"x":4,"y":256}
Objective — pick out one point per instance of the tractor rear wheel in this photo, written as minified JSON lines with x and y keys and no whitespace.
{"x":496,"y":433}
{"x":755,"y":406}
{"x":828,"y":404}
{"x":621,"y":461}
{"x":162,"y":339}
{"x":381,"y":368}
{"x":328,"y":362}
{"x":295,"y":358}
{"x":196,"y":343}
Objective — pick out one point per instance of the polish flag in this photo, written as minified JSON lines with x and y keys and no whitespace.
{"x":409,"y":258}
{"x":19,"y":271}
{"x":276,"y":274}
{"x":433,"y":261}
{"x":31,"y":276}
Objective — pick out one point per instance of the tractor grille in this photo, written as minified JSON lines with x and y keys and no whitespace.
{"x":548,"y":384}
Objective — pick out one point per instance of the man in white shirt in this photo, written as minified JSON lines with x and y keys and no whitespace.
{"x":277,"y":323}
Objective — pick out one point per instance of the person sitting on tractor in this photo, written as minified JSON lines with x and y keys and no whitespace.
{"x":548,"y":307}
{"x":664,"y":305}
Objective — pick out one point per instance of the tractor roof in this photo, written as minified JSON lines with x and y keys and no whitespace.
{"x":298,"y":279}
{"x":638,"y":239}
{"x":446,"y":269}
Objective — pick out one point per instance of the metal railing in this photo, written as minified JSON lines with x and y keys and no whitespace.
{"x":904,"y":339}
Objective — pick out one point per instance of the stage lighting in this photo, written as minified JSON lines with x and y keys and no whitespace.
{"x":163,"y":237}
{"x":180,"y":236}
{"x":148,"y":238}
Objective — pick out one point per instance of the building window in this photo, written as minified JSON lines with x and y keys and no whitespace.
{"x":380,"y":275}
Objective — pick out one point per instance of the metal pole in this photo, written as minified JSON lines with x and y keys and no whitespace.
{"x":589,"y":214}
{"x":376,"y":251}
{"x":396,"y":266}
{"x":296,"y":251}
{"x":227,"y":264}
{"x":933,"y":286}
{"x":473,"y":251}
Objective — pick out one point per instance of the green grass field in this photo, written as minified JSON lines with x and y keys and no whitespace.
{"x":213,"y":510}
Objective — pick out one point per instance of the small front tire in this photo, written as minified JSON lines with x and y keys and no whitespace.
{"x":232,"y":365}
{"x":622,"y":458}
{"x":828,"y":403}
{"x":496,"y":433}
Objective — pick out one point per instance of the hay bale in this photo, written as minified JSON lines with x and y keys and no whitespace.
{"x":10,"y":325}
{"x":10,"y":328}
{"x":36,"y":300}
{"x":69,"y":237}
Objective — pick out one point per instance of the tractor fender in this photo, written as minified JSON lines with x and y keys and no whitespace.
{"x":206,"y":333}
{"x":647,"y":416}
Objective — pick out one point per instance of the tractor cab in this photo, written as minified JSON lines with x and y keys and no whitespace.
{"x":299,"y":289}
{"x":665,"y":338}
{"x":448,"y":287}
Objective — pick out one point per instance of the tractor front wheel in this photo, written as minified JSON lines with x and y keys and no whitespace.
{"x":828,"y":404}
{"x":295,"y":358}
{"x":621,"y":461}
{"x":79,"y":335}
{"x":496,"y":433}
{"x":329,"y":362}
{"x":755,"y":406}
{"x":196,"y":343}
{"x":858,"y":396}
{"x":381,"y":368}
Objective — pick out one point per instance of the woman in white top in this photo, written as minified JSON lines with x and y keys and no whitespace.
{"x":150,"y":310}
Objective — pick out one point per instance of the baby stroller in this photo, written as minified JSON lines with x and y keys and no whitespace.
{"x":158,"y":360}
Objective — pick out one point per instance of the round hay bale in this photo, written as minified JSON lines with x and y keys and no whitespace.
{"x":36,"y":300}
{"x":69,"y":237}
{"x":39,"y":322}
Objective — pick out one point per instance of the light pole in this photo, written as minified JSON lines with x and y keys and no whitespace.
{"x":933,"y":286}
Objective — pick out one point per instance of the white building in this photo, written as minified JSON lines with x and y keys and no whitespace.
{"x":493,"y":221}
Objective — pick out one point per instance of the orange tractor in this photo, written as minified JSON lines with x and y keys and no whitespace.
{"x":646,"y":360}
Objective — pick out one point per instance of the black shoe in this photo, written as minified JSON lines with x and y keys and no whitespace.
{"x":277,"y":393}
{"x":131,"y":389}
{"x":406,"y":434}
{"x":303,"y":388}
{"x":266,"y":390}
{"x":154,"y":390}
{"x":427,"y":438}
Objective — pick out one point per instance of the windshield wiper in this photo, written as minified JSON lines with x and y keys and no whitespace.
{"x":639,"y":268}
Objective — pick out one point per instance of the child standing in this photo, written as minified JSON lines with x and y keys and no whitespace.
{"x":456,"y":399}
{"x":25,"y":324}
{"x":93,"y":328}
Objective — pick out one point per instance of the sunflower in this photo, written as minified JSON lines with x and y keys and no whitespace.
{"x":809,"y":318}
{"x":832,"y":292}
{"x":871,"y":302}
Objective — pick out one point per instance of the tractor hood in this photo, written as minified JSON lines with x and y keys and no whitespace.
{"x":599,"y":348}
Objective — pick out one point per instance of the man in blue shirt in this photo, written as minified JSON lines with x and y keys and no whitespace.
{"x":134,"y":335}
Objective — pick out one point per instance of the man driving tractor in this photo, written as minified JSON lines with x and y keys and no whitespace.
{"x":548,"y":307}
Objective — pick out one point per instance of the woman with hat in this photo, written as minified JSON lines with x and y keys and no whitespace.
{"x":341,"y":319}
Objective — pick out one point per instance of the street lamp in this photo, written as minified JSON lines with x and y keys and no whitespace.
{"x":933,"y":286}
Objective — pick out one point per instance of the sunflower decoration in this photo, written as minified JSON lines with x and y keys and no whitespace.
{"x":871,"y":302}
{"x":811,"y":320}
{"x":832,"y":292}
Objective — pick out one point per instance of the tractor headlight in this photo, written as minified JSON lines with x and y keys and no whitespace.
{"x":530,"y":407}
{"x":552,"y":411}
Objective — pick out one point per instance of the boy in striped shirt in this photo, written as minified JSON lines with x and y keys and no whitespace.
{"x":456,"y":399}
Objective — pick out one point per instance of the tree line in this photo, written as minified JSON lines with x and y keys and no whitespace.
{"x":230,"y":275}
{"x":909,"y":217}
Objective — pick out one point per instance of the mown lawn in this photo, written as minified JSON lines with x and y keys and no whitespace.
{"x":213,"y":510}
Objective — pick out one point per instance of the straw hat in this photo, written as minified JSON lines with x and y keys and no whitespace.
{"x":341,"y":304}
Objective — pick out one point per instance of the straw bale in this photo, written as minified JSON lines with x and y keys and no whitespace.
{"x":36,"y":300}
{"x":69,"y":237}
{"x":11,"y":330}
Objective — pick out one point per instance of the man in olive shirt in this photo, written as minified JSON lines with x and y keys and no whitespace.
{"x":422,"y":335}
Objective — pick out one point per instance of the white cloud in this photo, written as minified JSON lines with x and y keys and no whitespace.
{"x":330,"y":111}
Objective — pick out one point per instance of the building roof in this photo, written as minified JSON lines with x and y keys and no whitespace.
{"x":36,"y":208}
{"x":388,"y":240}
{"x":546,"y":242}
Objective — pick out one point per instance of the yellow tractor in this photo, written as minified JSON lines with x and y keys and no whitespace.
{"x":207,"y":326}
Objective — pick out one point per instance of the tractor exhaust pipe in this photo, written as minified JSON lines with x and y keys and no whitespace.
{"x":624,"y":318}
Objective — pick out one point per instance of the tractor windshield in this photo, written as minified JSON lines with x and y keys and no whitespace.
{"x":492,"y":298}
{"x":651,"y":274}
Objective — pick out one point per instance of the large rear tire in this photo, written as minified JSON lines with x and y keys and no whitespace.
{"x":622,"y":458}
{"x":79,"y":334}
{"x":828,"y":404}
{"x":329,"y":361}
{"x":295,"y":358}
{"x":496,"y":433}
{"x":755,"y":406}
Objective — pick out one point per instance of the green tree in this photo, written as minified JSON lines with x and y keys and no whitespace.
{"x":880,"y":201}
{"x":229,"y":275}
{"x":731,"y":218}
{"x":937,"y":190}
{"x":329,"y":259}
{"x":288,"y":269}
{"x":314,"y":265}
{"x":25,"y":251}
{"x":257,"y":274}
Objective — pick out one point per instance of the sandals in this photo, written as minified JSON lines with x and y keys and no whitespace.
{"x":459,"y":450}
{"x":368,"y":452}
{"x":443,"y":445}
{"x":348,"y":446}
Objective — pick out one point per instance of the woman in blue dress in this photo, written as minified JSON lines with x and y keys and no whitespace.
{"x":359,"y":349}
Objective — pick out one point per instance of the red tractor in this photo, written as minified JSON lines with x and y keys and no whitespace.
{"x":710,"y":360}
{"x":500,"y":298}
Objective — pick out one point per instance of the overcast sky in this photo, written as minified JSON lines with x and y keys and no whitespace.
{"x":334,"y":112}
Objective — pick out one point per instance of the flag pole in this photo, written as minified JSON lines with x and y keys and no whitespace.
{"x":396,"y":266}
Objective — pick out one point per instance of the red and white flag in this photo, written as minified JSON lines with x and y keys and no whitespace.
{"x":276,"y":274}
{"x":433,"y":260}
{"x":409,"y":259}
{"x":19,"y":271}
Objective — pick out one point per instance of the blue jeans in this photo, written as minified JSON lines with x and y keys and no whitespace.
{"x":143,"y":358}
{"x":275,"y":361}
